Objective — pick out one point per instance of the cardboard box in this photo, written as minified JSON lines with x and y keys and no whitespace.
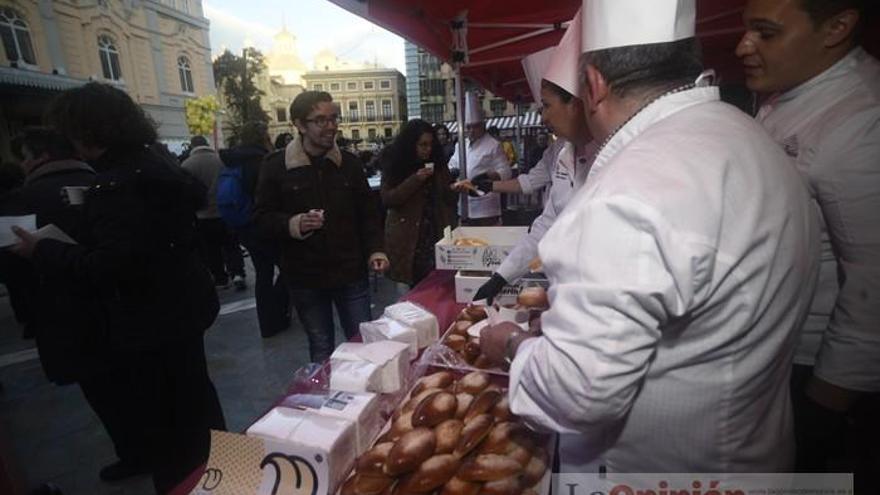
{"x":386,"y":328}
{"x":415,"y":316}
{"x":468,"y":282}
{"x":362,"y":409}
{"x":379,"y":367}
{"x":299,"y":441}
{"x":501,"y":241}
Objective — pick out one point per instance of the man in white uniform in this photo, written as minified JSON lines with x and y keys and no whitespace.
{"x":679,"y":273}
{"x":825,"y":112}
{"x":484,"y":156}
{"x":562,"y":110}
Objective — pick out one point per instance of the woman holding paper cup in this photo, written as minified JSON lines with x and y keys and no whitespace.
{"x":415,"y":189}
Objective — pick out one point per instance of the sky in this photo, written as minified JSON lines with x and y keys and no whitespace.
{"x":317,"y":24}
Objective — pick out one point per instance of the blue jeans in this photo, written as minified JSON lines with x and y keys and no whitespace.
{"x":315,"y":309}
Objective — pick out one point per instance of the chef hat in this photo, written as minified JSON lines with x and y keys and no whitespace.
{"x":535,"y":66}
{"x":473,"y":112}
{"x":563,"y":68}
{"x":619,"y":23}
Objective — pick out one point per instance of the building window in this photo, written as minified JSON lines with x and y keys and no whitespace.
{"x":109,"y":56}
{"x":334,"y":86}
{"x":433,"y":113}
{"x":352,"y":86}
{"x":318,"y":87}
{"x":370,"y":110}
{"x":16,"y":38}
{"x":498,"y":106}
{"x":388,"y":132}
{"x":355,"y":134}
{"x":353,"y":111}
{"x":371,"y":134}
{"x":385,"y":84}
{"x":281,"y":114}
{"x":432,"y":87}
{"x":185,"y":73}
{"x":386,"y":110}
{"x":368,"y":85}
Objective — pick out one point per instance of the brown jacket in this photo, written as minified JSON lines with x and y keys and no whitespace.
{"x":292,"y":183}
{"x":405,"y":203}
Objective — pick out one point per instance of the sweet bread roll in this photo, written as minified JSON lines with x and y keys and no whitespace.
{"x":448,"y":434}
{"x":434,"y":409}
{"x":431,"y":474}
{"x":410,"y":451}
{"x":533,"y":297}
{"x":471,"y":242}
{"x":473,"y":383}
{"x":489,"y":467}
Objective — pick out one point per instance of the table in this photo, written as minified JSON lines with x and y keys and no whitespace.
{"x":436,"y":293}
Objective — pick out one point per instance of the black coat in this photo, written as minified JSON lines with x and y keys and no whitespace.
{"x":137,"y":254}
{"x":52,"y":309}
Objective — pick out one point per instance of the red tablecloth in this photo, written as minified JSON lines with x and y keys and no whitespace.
{"x":436,"y":293}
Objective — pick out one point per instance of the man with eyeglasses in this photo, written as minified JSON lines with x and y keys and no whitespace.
{"x":314,"y":199}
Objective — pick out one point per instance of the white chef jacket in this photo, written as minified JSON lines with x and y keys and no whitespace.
{"x":483,"y":155}
{"x":679,"y":275}
{"x":831,"y":126}
{"x":542,"y":173}
{"x":568,"y":175}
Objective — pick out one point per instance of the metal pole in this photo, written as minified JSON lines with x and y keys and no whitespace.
{"x":462,"y":148}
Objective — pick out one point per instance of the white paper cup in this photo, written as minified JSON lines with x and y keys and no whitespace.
{"x":429,"y":165}
{"x":319,"y":212}
{"x":76,"y":195}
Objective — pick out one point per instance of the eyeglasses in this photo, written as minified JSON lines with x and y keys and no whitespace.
{"x":322,"y":121}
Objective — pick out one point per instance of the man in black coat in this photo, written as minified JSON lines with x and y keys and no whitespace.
{"x":151,"y":295}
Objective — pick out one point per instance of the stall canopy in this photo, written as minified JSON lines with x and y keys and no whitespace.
{"x":499,"y":34}
{"x":495,"y":36}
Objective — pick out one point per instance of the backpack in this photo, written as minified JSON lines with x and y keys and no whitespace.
{"x":233,"y":202}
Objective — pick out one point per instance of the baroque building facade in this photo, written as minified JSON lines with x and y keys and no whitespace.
{"x":158,"y":51}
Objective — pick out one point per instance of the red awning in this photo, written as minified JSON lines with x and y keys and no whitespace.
{"x":500,"y":34}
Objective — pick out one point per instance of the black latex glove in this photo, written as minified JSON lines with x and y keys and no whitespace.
{"x":490,"y":289}
{"x":483,"y":183}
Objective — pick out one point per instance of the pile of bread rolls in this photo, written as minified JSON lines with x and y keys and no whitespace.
{"x":452,"y":437}
{"x":467,"y":346}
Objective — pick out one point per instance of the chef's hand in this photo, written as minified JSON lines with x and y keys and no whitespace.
{"x":483,"y":182}
{"x":497,"y":340}
{"x":26,"y":244}
{"x":312,"y":220}
{"x":490,"y":289}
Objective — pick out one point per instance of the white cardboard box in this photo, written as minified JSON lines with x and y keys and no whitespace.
{"x":501,"y":242}
{"x":308,"y":437}
{"x":467,"y":283}
{"x":414,"y":315}
{"x":379,"y":367}
{"x":385,"y":328}
{"x":362,"y":409}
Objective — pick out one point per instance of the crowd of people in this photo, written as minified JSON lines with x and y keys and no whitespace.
{"x":714,"y":275}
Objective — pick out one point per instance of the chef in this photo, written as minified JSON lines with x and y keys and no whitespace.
{"x":558,"y":88}
{"x":824,"y":110}
{"x":679,"y":273}
{"x":484,"y":156}
{"x":540,"y":175}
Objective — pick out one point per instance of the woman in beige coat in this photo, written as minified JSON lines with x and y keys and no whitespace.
{"x":415,"y":189}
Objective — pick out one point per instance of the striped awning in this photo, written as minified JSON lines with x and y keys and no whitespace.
{"x":31,"y":79}
{"x":529,"y":119}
